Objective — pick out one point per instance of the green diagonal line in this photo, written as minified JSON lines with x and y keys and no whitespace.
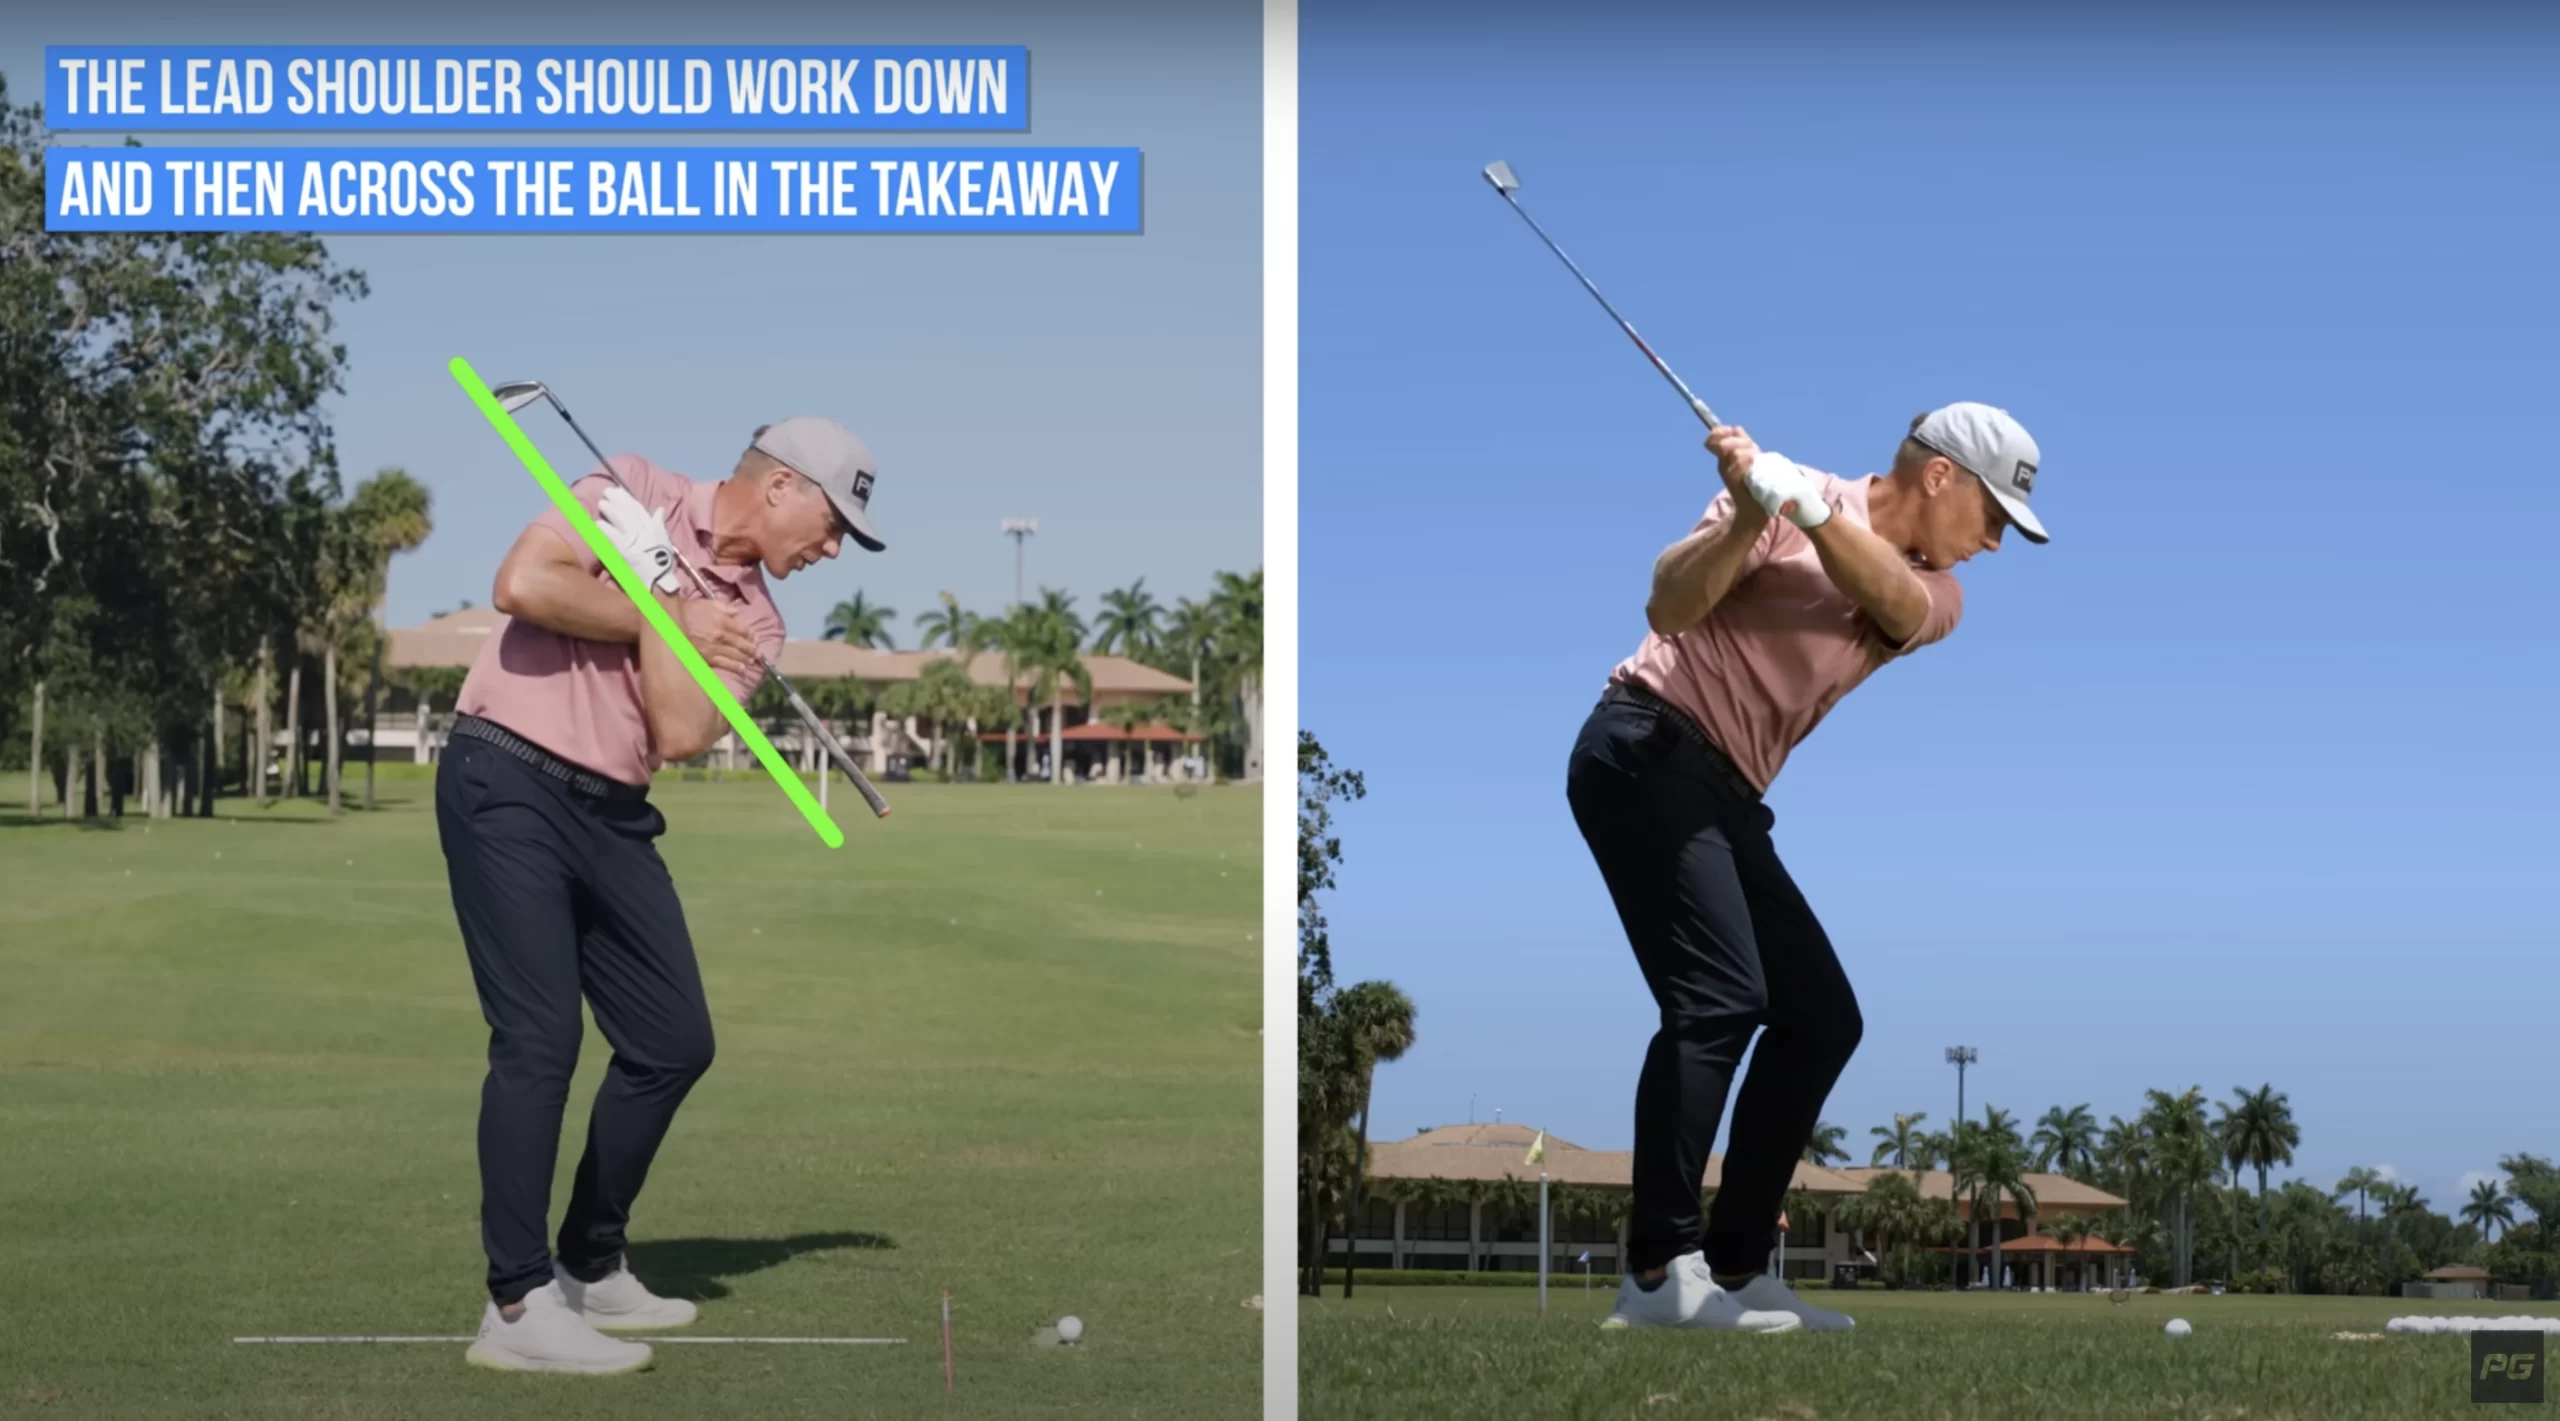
{"x":638,"y":592}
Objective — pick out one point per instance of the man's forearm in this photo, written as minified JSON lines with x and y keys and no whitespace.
{"x":683,"y":721}
{"x":567,"y":599}
{"x":1874,"y":574}
{"x":1694,"y":574}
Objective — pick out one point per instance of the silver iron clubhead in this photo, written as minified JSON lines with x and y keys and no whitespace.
{"x":516,"y":394}
{"x":1502,"y":178}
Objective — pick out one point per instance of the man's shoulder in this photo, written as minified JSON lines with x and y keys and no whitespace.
{"x":652,"y":481}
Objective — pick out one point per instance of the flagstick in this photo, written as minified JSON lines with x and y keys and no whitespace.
{"x":1542,"y":1240}
{"x":946,"y":1342}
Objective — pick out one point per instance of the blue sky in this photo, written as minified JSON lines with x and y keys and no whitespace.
{"x":2244,"y":779}
{"x":1108,"y":386}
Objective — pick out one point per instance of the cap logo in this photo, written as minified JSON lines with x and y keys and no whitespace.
{"x":2025,"y":477}
{"x":862,"y":487}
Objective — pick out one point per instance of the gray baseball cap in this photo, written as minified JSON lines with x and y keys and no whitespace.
{"x":1993,"y":447}
{"x":827,"y":454}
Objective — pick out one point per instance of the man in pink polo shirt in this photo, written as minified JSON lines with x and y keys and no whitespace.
{"x":1794,"y":588}
{"x":550,"y":845}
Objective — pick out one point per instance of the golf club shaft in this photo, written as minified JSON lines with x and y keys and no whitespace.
{"x":1697,"y":406}
{"x":835,"y":750}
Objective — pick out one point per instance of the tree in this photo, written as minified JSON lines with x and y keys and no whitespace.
{"x":861,"y":622}
{"x":1997,"y":1169}
{"x":1326,"y":1049}
{"x":1825,"y":1147}
{"x":1902,"y":1142}
{"x":1237,"y":606}
{"x":388,"y":514}
{"x":2363,"y":1182}
{"x":1189,"y":634}
{"x":2065,"y":1137}
{"x":1378,"y":1025}
{"x":1128,"y":623}
{"x":2489,"y":1209}
{"x":952,"y":626}
{"x":163,"y":419}
{"x":1014,"y":636}
{"x":1052,"y":631}
{"x":1320,"y":785}
{"x":2258,"y":1131}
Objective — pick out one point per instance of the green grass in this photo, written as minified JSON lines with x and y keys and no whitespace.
{"x":1471,"y":1352}
{"x":1005,"y":1043}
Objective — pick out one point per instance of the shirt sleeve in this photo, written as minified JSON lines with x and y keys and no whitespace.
{"x":1946,"y":608}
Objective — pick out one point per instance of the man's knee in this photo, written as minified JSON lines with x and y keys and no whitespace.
{"x":1741,"y":1011}
{"x":535,"y":1057}
{"x":1840,"y":1031}
{"x":685,"y":1054}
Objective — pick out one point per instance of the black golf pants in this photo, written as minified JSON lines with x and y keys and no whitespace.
{"x":560,"y":895}
{"x":1728,"y":947}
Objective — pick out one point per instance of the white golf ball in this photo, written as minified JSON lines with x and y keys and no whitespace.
{"x":1070,"y":1328}
{"x":2177,"y":1327}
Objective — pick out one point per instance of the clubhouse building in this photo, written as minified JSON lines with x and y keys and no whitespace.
{"x":1462,"y":1197}
{"x":1096,"y":749}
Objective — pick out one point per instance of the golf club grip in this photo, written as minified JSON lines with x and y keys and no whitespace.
{"x":835,"y":751}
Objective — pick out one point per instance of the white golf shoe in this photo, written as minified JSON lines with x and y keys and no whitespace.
{"x":1688,"y":1297}
{"x":1766,"y":1294}
{"x":618,"y":1303}
{"x":550,"y":1337}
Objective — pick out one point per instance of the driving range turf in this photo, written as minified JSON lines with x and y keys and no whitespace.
{"x":1405,"y":1351}
{"x":1004,"y":1043}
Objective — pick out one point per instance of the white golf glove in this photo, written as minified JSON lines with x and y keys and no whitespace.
{"x":1775,"y":481}
{"x":641,"y":537}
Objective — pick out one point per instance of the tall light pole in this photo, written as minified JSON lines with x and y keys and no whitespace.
{"x":1021,"y":531}
{"x":1961,"y":1057}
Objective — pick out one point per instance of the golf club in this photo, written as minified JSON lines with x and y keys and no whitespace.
{"x":515,"y":395}
{"x":1507,"y":183}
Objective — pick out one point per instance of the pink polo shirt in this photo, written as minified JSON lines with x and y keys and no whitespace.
{"x":580,"y":699}
{"x":1784,"y":645}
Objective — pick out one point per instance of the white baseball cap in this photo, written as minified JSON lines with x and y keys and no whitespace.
{"x":1992,"y":446}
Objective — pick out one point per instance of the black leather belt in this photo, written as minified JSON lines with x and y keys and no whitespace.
{"x":584,"y":781}
{"x":1627,"y":693}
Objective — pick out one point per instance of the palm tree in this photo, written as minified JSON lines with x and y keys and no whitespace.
{"x":1998,"y":1169}
{"x":393,"y":514}
{"x":1128,"y":621}
{"x":861,"y":623}
{"x":2065,"y":1137}
{"x":1054,"y":632}
{"x":2258,"y":1131}
{"x":387,"y":515}
{"x":1379,"y":1019}
{"x":1901,"y":1142}
{"x":951,"y":625}
{"x":1237,"y":604}
{"x":1014,"y":635}
{"x":2488,"y":1210}
{"x":1825,"y":1145}
{"x":2363,"y":1182}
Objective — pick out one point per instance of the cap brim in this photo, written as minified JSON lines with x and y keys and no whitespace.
{"x":2019,"y":514}
{"x":859,"y":520}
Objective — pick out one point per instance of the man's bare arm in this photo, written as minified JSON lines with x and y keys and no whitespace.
{"x":542,"y":581}
{"x":1694,"y":574}
{"x":1874,"y":574}
{"x":683,"y":722}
